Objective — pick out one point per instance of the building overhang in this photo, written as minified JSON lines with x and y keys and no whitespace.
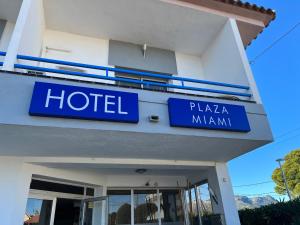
{"x":251,"y":18}
{"x":186,"y":26}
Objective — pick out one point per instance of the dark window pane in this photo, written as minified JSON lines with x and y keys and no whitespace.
{"x":56,"y":187}
{"x":67,"y":211}
{"x":141,"y":78}
{"x":90,"y":191}
{"x":154,"y":87}
{"x":145,"y":207}
{"x":128,"y":84}
{"x":171,"y":209}
{"x":119,"y":207}
{"x":38,"y":212}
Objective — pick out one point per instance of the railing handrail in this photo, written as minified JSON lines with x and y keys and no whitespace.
{"x":127,"y":71}
{"x":2,"y":54}
{"x":74,"y":73}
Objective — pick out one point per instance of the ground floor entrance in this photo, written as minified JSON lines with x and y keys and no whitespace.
{"x":125,"y":192}
{"x":62,"y":203}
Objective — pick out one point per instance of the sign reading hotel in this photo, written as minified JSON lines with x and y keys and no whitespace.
{"x":56,"y":100}
{"x":207,"y":115}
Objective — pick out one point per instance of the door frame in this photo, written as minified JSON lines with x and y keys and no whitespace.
{"x":42,"y":196}
{"x":52,"y":196}
{"x":85,"y":201}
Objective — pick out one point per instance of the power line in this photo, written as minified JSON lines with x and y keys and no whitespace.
{"x":279,"y":142}
{"x":259,"y":194}
{"x":287,"y":133}
{"x":254,"y":184}
{"x":286,"y":139}
{"x":274,"y":43}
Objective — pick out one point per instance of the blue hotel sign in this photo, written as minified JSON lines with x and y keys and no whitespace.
{"x":56,"y":100}
{"x":207,"y":115}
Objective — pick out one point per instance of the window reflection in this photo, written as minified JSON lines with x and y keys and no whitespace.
{"x":38,"y":212}
{"x":145,"y":207}
{"x":171,"y":210}
{"x":119,"y":207}
{"x":204,"y":195}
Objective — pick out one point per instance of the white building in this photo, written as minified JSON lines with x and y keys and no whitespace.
{"x":125,"y":112}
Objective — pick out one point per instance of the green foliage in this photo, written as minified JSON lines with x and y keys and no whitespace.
{"x":281,"y":213}
{"x":291,"y":168}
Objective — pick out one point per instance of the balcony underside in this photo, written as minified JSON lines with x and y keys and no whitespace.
{"x":65,"y":142}
{"x":173,"y":27}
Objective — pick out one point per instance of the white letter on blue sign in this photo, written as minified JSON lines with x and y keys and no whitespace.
{"x":87,"y":101}
{"x":106,"y":103}
{"x":96,"y":100}
{"x":120,"y":106}
{"x":61,"y":98}
{"x":192,"y":105}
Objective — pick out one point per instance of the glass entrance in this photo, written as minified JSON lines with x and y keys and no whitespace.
{"x":92,"y":211}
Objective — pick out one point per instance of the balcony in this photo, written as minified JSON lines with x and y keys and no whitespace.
{"x":53,"y":39}
{"x":53,"y":42}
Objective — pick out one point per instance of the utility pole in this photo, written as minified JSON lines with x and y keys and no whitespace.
{"x":284,"y":178}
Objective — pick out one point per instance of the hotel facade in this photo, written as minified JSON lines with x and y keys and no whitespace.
{"x":126,"y":112}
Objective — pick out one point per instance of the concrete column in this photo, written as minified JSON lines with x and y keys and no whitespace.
{"x":245,"y":61}
{"x":16,"y":38}
{"x":219,"y":182}
{"x":15,"y":180}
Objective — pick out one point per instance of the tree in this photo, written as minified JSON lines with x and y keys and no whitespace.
{"x":291,"y":168}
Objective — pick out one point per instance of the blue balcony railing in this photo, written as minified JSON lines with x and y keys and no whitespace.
{"x":107,"y":76}
{"x":2,"y":54}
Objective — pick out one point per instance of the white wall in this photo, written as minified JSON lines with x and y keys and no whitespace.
{"x":189,"y":66}
{"x":14,"y":187}
{"x":27,"y":35}
{"x":75,"y":48}
{"x":222,"y":61}
{"x":32,"y":37}
{"x":6,"y":35}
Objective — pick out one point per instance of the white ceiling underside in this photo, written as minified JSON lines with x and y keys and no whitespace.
{"x":9,"y":9}
{"x":112,"y":169}
{"x":156,"y":23}
{"x":65,"y":142}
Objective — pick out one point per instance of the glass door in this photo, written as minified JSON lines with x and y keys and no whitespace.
{"x":39,"y":211}
{"x":93,"y":211}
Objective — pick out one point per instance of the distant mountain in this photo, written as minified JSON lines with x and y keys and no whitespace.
{"x":243,"y":202}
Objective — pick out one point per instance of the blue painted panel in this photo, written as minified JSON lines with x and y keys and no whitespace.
{"x":56,"y":100}
{"x":207,"y":115}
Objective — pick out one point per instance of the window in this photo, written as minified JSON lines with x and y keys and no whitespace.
{"x":119,"y":207}
{"x":38,"y":212}
{"x":58,"y":187}
{"x":138,"y":78}
{"x":171,"y":209}
{"x":145,"y":207}
{"x":148,"y":205}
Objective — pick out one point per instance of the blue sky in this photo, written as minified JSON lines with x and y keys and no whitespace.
{"x":277,"y":74}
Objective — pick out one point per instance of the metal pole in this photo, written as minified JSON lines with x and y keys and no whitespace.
{"x":197,"y":204}
{"x":284,"y":178}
